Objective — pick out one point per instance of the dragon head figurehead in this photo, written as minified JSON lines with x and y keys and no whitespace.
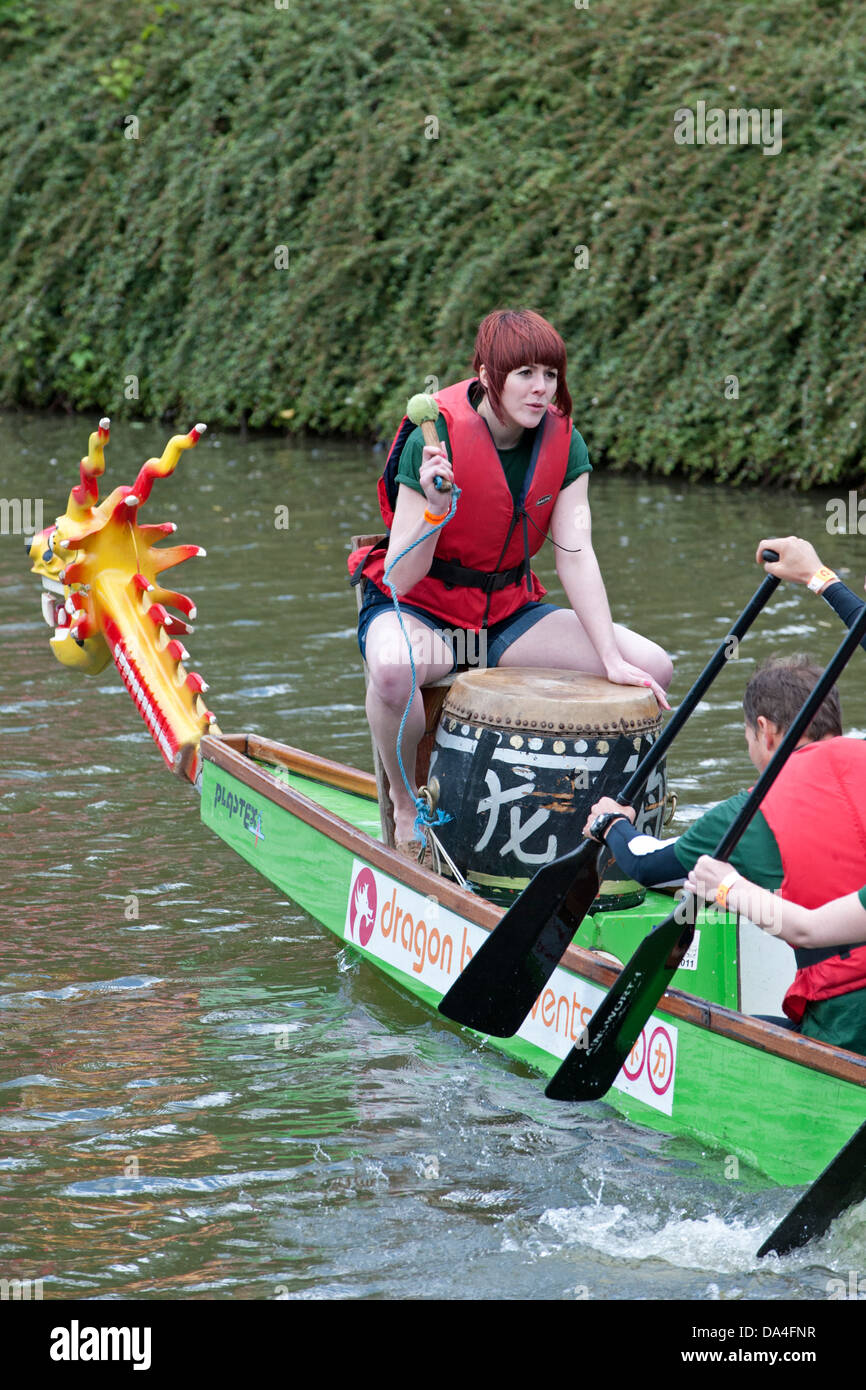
{"x":102,"y":596}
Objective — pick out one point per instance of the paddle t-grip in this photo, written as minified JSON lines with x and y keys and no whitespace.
{"x":769,"y":556}
{"x":423,"y":410}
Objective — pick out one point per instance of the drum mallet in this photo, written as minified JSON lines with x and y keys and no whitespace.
{"x":422,"y":411}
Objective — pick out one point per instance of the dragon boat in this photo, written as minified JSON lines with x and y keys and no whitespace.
{"x":704,"y":1066}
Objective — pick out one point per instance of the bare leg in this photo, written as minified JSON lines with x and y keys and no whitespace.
{"x":559,"y":640}
{"x":387,"y":693}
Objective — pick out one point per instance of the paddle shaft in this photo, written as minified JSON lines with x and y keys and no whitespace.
{"x":641,"y":775}
{"x":794,"y":733}
{"x":792,"y":737}
{"x":594,"y":1062}
{"x":498,"y":986}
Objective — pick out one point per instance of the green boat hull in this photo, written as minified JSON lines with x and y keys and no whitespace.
{"x":708,"y":1073}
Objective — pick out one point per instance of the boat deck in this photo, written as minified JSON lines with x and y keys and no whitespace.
{"x":359,"y":811}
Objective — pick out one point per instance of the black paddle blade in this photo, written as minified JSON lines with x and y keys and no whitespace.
{"x":840,"y":1186}
{"x":498,"y":987}
{"x":594,"y":1062}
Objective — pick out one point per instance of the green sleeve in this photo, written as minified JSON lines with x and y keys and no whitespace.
{"x":862,"y":896}
{"x":756,"y":856}
{"x":578,"y":458}
{"x":409,"y":466}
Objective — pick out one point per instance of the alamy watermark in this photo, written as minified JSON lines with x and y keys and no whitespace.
{"x":20,"y":1289}
{"x":20,"y":516}
{"x":846,"y":517}
{"x":689,"y":907}
{"x":469,"y":648}
{"x":737,"y":126}
{"x":854,"y":1287}
{"x":77,"y":1343}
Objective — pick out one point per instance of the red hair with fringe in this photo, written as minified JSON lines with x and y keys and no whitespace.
{"x":512,"y":338}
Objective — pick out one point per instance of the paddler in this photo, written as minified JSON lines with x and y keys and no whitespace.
{"x":505,"y":438}
{"x":834,"y":1013}
{"x":808,"y":840}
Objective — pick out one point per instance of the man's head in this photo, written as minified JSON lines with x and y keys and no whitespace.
{"x":772,"y":700}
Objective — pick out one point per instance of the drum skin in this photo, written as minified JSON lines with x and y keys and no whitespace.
{"x":521,"y":755}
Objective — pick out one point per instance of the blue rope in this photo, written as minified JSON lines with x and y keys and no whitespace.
{"x":423,"y":817}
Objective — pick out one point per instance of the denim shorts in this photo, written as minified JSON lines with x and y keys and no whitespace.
{"x":463,"y":642}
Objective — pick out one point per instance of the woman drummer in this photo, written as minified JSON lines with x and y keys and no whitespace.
{"x":506,"y":440}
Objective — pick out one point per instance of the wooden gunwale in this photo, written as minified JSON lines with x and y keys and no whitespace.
{"x":233,"y":753}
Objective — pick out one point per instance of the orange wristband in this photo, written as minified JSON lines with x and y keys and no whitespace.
{"x":434,"y":520}
{"x":725,"y":887}
{"x":821,"y":577}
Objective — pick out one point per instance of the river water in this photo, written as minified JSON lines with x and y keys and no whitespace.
{"x":154,"y":1142}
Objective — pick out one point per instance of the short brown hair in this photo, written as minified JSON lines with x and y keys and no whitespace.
{"x":780,"y":687}
{"x":512,"y":338}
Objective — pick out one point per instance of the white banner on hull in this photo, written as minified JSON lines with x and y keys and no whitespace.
{"x":424,"y":940}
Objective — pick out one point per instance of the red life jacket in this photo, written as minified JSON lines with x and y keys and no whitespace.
{"x":823,"y":788}
{"x":824,"y":980}
{"x":480,"y":570}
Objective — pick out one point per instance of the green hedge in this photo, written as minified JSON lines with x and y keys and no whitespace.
{"x":306,"y":127}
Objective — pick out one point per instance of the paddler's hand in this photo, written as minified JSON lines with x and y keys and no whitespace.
{"x":708,"y":873}
{"x":434,"y":463}
{"x":621,"y":672}
{"x":798,"y":560}
{"x":602,"y":806}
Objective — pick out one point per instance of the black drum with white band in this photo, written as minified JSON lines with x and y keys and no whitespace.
{"x":520,"y":757}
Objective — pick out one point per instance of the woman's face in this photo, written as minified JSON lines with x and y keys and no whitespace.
{"x":527,"y":393}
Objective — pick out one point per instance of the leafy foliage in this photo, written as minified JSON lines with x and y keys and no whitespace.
{"x":293,"y":214}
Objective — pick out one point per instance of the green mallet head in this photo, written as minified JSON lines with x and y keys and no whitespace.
{"x":423,"y":411}
{"x":422,"y":408}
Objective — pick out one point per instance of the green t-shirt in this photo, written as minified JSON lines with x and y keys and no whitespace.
{"x":862,"y":896}
{"x":840,"y":1020}
{"x":514,"y":461}
{"x":756,"y":855}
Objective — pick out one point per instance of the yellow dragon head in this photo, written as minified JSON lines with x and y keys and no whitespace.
{"x":101,"y":595}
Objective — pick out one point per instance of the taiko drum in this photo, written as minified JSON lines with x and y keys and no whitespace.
{"x":520,"y":757}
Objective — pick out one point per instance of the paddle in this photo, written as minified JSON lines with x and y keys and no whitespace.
{"x":842,"y":1183}
{"x":502,"y":981}
{"x":592,"y":1065}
